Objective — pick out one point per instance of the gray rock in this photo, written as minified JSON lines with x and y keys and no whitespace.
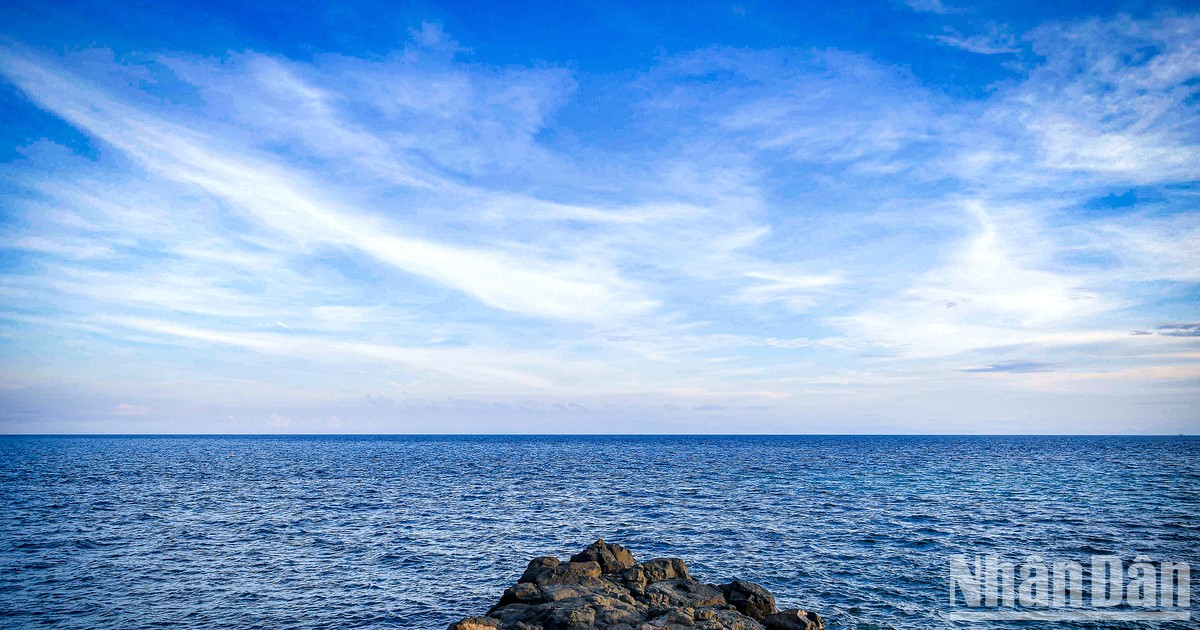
{"x":729,"y":620}
{"x":750,"y":599}
{"x":570,"y":614}
{"x":509,"y":616}
{"x":684,"y":593}
{"x":568,"y":573}
{"x":794,"y":619}
{"x":634,"y":579}
{"x":672,"y":617}
{"x":610,"y":557}
{"x":519,"y":593}
{"x":660,"y":569}
{"x":604,"y":588}
{"x":476,"y":623}
{"x":536,"y":567}
{"x":611,"y":612}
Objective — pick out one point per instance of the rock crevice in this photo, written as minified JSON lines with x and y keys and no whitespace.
{"x":604,"y":587}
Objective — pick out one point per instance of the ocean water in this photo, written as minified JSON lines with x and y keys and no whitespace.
{"x":417,"y":531}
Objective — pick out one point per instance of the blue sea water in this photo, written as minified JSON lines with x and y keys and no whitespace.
{"x":417,"y":531}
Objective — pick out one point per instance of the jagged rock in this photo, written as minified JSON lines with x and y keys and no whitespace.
{"x":537,"y":566}
{"x":672,"y":618}
{"x":604,"y":588}
{"x":730,"y":620}
{"x":510,"y":616}
{"x":568,"y":573}
{"x":519,"y":593}
{"x":681,"y":593}
{"x":610,"y":557}
{"x":794,"y":620}
{"x":750,"y":599}
{"x":476,"y":623}
{"x":660,"y":569}
{"x":634,"y":579}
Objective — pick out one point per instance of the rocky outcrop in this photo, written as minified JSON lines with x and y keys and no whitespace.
{"x":604,"y":587}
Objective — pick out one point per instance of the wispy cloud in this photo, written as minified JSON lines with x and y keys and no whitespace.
{"x":1180,"y":330}
{"x":128,"y":409}
{"x":1013,"y":367}
{"x":995,"y":40}
{"x":1115,"y":98}
{"x":277,"y":200}
{"x":798,"y":292}
{"x":928,"y":6}
{"x":805,"y":232}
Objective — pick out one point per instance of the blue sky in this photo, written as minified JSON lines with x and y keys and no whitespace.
{"x":921,"y":217}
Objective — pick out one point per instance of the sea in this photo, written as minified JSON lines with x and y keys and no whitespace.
{"x":418,"y":531}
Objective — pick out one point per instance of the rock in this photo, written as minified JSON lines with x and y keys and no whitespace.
{"x":571,"y":615}
{"x":604,"y":588}
{"x":536,"y":567}
{"x":614,"y":613}
{"x":634,"y":579}
{"x":729,"y":620}
{"x":750,"y":599}
{"x":669,"y":617}
{"x":611,"y":558}
{"x":660,"y":569}
{"x":680,"y":593}
{"x":568,"y":573}
{"x":511,"y":616}
{"x":519,"y":593}
{"x":794,"y":620}
{"x":476,"y":623}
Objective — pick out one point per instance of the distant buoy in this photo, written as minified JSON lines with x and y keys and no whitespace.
{"x":231,"y":454}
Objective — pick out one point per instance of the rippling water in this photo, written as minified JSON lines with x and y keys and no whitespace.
{"x":414,"y":532}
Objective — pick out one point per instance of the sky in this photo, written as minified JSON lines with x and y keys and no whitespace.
{"x":600,"y":217}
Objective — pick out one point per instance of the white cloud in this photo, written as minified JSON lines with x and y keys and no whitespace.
{"x":798,"y":292}
{"x":1113,"y":96}
{"x":996,"y":40}
{"x":808,"y":232}
{"x":1150,"y":248}
{"x":928,"y":6}
{"x":981,"y":297}
{"x":279,"y":200}
{"x":823,"y":107}
{"x":128,"y":409}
